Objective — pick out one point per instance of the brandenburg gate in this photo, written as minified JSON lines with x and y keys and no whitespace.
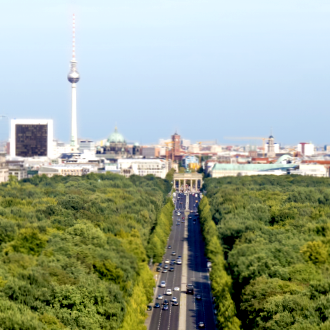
{"x":187,"y":181}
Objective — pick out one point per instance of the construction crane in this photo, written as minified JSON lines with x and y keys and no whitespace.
{"x":249,"y":138}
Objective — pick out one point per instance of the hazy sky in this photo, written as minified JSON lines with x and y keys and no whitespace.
{"x":208,"y":68}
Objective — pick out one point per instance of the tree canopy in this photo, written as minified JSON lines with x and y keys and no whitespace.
{"x":75,"y":250}
{"x":275,"y":236}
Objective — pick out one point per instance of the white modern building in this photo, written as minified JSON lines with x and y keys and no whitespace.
{"x":31,"y":138}
{"x":306,"y":149}
{"x":67,"y":169}
{"x":142,"y":167}
{"x":4,"y":174}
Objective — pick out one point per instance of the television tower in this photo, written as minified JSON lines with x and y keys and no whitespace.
{"x":73,"y":78}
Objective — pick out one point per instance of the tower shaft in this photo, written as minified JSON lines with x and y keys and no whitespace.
{"x":74,"y":137}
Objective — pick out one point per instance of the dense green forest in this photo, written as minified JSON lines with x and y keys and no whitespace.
{"x":75,"y":250}
{"x":275,"y":239}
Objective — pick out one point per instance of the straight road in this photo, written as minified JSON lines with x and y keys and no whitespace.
{"x":198,"y":310}
{"x":169,"y":319}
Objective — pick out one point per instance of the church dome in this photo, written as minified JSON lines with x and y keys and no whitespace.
{"x":116,"y":137}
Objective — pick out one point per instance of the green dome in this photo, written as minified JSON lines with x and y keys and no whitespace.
{"x":116,"y":137}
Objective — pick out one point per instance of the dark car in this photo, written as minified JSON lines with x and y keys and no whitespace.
{"x":165,"y":307}
{"x":157,"y":305}
{"x":171,"y":269}
{"x":165,"y":302}
{"x":149,"y":308}
{"x":160,"y":264}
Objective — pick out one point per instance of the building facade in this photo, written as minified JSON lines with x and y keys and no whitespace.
{"x":64,"y":170}
{"x":31,"y":138}
{"x":142,"y":167}
{"x":4,"y":173}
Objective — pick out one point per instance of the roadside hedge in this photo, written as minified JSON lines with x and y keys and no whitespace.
{"x":221,"y":282}
{"x":158,"y":238}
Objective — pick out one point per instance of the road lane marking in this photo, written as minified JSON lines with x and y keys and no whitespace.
{"x":183,"y":298}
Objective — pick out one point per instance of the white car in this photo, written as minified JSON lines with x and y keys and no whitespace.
{"x":178,"y":213}
{"x":176,"y":288}
{"x":167,"y":261}
{"x":168,"y":292}
{"x":179,"y":262}
{"x":160,"y":297}
{"x":162,"y":284}
{"x":174,"y":299}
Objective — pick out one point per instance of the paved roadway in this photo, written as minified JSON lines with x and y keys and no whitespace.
{"x":197,"y":310}
{"x":161,"y":319}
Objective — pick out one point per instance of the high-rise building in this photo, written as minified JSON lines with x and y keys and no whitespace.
{"x":176,"y":139}
{"x":271,"y":147}
{"x":31,"y":138}
{"x":73,"y":78}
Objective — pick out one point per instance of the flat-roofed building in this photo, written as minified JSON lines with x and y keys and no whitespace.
{"x":4,"y":173}
{"x":64,"y":170}
{"x":142,"y":167}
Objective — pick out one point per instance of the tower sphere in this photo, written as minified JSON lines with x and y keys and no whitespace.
{"x":73,"y":75}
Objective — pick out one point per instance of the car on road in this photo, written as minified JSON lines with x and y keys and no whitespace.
{"x":183,"y":218}
{"x":157,"y":305}
{"x":179,"y":257}
{"x":169,"y":247}
{"x":171,"y":269}
{"x":149,"y":308}
{"x":179,"y":262}
{"x":190,"y":289}
{"x":201,"y":325}
{"x":178,"y":213}
{"x":164,"y":270}
{"x":167,"y":261}
{"x":174,"y":299}
{"x":165,"y":267}
{"x":165,"y":302}
{"x":176,"y":288}
{"x":198,"y":297}
{"x":173,"y":253}
{"x":178,"y":223}
{"x":160,"y":297}
{"x":162,"y":284}
{"x":158,"y":269}
{"x":165,"y":307}
{"x":168,"y":292}
{"x":175,"y":303}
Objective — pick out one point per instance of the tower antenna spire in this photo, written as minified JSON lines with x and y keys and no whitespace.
{"x":73,"y":37}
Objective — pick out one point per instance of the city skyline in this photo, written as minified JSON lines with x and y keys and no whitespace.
{"x":241,"y":68}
